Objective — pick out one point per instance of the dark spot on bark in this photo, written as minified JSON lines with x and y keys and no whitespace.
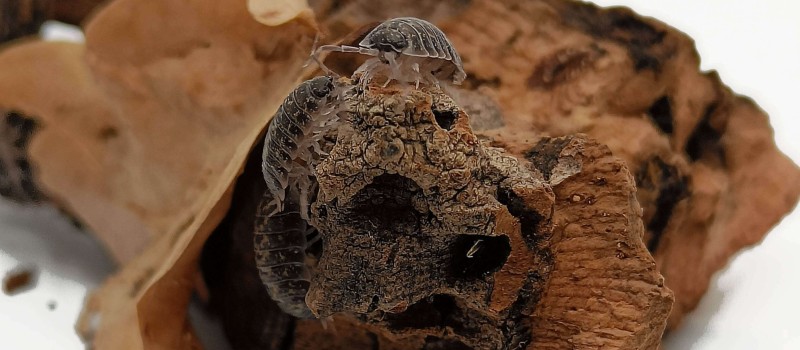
{"x":386,"y":205}
{"x":619,"y":25}
{"x":376,"y":344}
{"x":390,"y":150}
{"x":661,"y":114}
{"x":599,"y":181}
{"x":23,"y":165}
{"x":433,"y":312}
{"x":475,"y":256}
{"x":529,"y":219}
{"x":704,"y":141}
{"x":672,"y":188}
{"x":545,"y":154}
{"x":513,"y":38}
{"x":517,"y":327}
{"x":436,"y":343}
{"x":108,"y":133}
{"x":373,"y":304}
{"x":473,"y":82}
{"x":562,"y":66}
{"x":446,"y":119}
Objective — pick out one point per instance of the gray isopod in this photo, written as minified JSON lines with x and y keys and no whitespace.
{"x":291,"y":143}
{"x":406,"y":47}
{"x":293,"y":137}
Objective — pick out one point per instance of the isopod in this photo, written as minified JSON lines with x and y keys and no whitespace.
{"x":291,"y":146}
{"x":406,"y":47}
{"x":293,"y":137}
{"x":280,"y":247}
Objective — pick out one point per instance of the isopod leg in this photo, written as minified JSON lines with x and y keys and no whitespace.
{"x":415,"y":67}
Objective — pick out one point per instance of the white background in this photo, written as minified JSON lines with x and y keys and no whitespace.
{"x":753,"y":304}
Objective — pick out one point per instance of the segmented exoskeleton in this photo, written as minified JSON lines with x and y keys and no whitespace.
{"x":404,"y":48}
{"x":290,"y":150}
{"x":293,"y":136}
{"x":280,"y":247}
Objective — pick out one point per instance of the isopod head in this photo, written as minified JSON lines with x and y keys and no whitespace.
{"x":321,"y":87}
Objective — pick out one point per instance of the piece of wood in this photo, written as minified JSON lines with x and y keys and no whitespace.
{"x":697,"y":150}
{"x":432,"y":239}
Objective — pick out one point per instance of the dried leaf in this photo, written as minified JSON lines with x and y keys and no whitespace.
{"x":144,"y":132}
{"x":277,"y":12}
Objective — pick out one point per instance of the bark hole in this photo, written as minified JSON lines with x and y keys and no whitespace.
{"x":661,"y":114}
{"x":529,"y":219}
{"x":475,"y":256}
{"x":446,"y":119}
{"x":704,"y":141}
{"x":386,"y":204}
{"x":437,"y":311}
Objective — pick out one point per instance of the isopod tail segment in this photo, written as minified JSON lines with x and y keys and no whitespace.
{"x":280,"y":242}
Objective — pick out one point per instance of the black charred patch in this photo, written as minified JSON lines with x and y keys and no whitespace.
{"x":529,"y":219}
{"x":661,"y":114}
{"x":704,"y":141}
{"x":474,"y":256}
{"x":544,"y":156}
{"x":619,"y":25}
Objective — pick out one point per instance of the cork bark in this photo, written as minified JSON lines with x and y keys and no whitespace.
{"x":404,"y":195}
{"x":556,"y":68}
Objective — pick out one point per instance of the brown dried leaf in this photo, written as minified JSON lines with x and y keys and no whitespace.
{"x":144,"y":132}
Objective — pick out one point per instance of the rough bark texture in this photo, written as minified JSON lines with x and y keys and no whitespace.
{"x":408,"y":191}
{"x":601,"y":269}
{"x":697,"y":150}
